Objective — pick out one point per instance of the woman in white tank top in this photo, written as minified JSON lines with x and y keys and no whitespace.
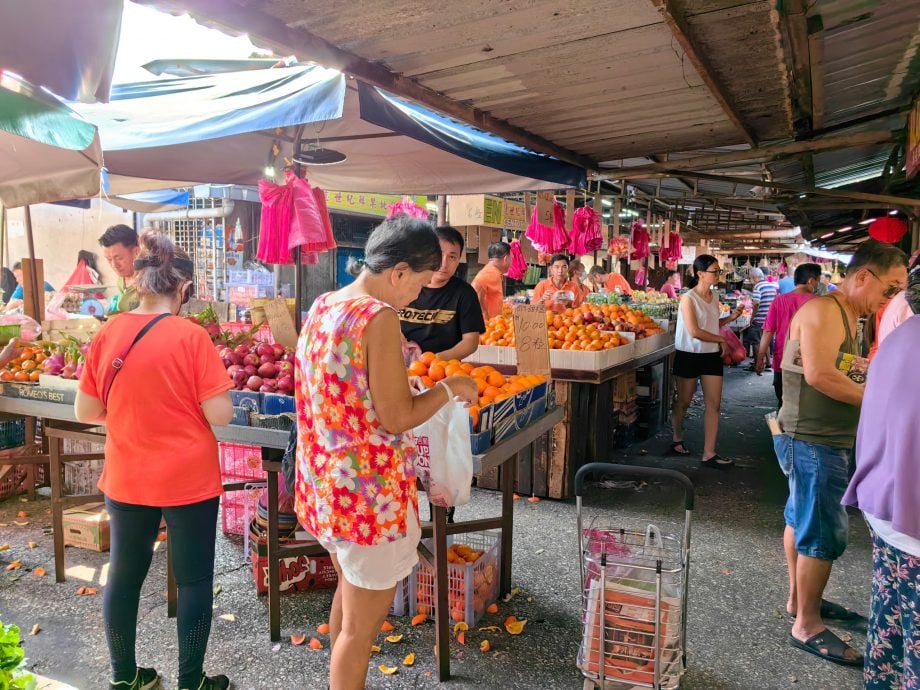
{"x":698,"y":355}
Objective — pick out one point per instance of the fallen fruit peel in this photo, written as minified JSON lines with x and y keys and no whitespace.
{"x":409,"y":660}
{"x":387,"y":670}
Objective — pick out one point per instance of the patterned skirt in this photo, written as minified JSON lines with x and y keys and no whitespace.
{"x":893,"y":640}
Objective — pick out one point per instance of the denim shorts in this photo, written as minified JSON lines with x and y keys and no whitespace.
{"x":818,"y":477}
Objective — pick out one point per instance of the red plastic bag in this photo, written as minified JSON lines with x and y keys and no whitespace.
{"x":640,"y":242}
{"x":518,"y":262}
{"x":732,"y":351}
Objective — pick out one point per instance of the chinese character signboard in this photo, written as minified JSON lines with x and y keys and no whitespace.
{"x":369,"y":204}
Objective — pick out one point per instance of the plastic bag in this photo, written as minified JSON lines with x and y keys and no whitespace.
{"x":30,"y":329}
{"x":444,"y":457}
{"x":733,"y":351}
{"x":518,"y":262}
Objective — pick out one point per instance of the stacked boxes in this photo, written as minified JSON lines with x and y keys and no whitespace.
{"x":625,"y":409}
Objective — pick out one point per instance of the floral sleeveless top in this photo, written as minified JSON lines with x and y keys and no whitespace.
{"x":355,"y":482}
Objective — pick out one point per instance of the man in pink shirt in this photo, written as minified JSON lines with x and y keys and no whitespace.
{"x":807,"y":278}
{"x":671,"y":285}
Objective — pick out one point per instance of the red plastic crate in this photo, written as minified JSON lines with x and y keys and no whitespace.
{"x":238,"y":508}
{"x":471,"y":586}
{"x":239,"y":462}
{"x":263,"y":335}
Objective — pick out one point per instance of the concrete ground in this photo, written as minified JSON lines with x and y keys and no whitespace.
{"x":737,"y":627}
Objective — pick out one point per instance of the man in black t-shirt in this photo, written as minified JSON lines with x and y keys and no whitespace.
{"x":446,"y":318}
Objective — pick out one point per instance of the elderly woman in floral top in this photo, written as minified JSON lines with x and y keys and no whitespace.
{"x":355,"y":489}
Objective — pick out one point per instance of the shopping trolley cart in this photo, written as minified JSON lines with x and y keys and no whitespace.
{"x":634,"y":592}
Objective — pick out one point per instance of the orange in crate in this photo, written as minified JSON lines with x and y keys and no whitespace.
{"x":472,"y":577}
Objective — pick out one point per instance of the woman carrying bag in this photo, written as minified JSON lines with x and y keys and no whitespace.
{"x":157,"y":383}
{"x":698,"y":355}
{"x":355,"y":482}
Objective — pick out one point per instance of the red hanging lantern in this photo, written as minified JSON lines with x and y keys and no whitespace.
{"x":888,"y":229}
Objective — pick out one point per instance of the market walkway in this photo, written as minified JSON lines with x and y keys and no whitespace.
{"x":736,"y":633}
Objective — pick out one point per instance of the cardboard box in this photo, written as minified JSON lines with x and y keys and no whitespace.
{"x":475,"y":209}
{"x":298,"y":573}
{"x":87,"y":526}
{"x":487,"y":236}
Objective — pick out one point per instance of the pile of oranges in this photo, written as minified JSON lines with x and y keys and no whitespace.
{"x":492,"y":384}
{"x":26,"y":367}
{"x":588,"y":328}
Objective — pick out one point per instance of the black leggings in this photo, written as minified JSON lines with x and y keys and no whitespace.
{"x":192,"y":534}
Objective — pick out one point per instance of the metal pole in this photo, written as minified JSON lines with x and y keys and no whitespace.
{"x":298,"y":268}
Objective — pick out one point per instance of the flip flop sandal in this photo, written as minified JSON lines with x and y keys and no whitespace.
{"x":718,"y":462}
{"x":835,"y":612}
{"x":673,"y":449}
{"x":829,"y":647}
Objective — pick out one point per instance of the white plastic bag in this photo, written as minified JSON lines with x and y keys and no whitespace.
{"x":444,"y":458}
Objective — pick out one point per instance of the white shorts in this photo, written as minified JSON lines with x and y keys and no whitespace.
{"x":383,"y":565}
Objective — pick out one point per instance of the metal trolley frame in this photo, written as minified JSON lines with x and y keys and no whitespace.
{"x":634,"y":592}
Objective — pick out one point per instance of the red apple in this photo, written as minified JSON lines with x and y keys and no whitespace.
{"x":254,"y":383}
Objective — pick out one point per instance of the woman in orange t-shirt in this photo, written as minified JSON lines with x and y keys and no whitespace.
{"x":615,"y":280}
{"x":558,"y":291}
{"x":160,"y":459}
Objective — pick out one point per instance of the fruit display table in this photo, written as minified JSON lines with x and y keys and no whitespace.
{"x":589,"y":400}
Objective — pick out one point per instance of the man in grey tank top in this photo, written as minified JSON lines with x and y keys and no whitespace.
{"x":819,"y":417}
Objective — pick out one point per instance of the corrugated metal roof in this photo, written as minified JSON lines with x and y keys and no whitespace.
{"x":606,"y":79}
{"x":870,"y":55}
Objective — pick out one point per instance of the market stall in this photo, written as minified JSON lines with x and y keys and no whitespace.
{"x":609,"y":364}
{"x":55,"y":409}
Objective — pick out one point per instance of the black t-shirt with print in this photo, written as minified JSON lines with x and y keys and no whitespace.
{"x":439,"y":317}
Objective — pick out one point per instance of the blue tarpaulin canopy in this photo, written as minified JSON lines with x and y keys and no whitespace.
{"x":226,"y":128}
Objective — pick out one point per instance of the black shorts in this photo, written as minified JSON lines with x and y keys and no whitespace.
{"x":692,"y":365}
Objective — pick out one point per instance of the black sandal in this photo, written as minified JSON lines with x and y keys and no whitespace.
{"x":829,"y":647}
{"x":719,"y":462}
{"x":673,"y":449}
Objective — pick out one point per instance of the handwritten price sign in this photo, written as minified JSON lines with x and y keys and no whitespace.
{"x":530,"y":339}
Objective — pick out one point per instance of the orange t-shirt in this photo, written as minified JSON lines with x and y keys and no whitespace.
{"x":489,"y":284}
{"x":545,"y":290}
{"x":159,"y":448}
{"x":615,"y":280}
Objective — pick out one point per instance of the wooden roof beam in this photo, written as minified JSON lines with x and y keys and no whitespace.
{"x":678,"y":27}
{"x":881,"y":199}
{"x":756,"y":154}
{"x":267,"y":31}
{"x":816,"y":66}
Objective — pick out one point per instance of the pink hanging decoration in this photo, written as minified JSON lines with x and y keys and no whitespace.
{"x":540,"y":236}
{"x":293,"y":215}
{"x":560,"y":239}
{"x":408,"y":207}
{"x":277,"y":212}
{"x":586,"y":232}
{"x":640,"y":242}
{"x":311,"y":229}
{"x":674,"y":250}
{"x":518,"y":262}
{"x":639,"y":278}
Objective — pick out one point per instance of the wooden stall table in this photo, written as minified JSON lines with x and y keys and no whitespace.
{"x":59,"y":423}
{"x":497,"y":456}
{"x":583,"y":434}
